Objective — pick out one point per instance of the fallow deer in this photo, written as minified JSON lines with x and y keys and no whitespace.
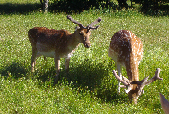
{"x":126,"y":49}
{"x":58,"y":43}
{"x":164,"y":103}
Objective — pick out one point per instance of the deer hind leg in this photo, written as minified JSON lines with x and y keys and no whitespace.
{"x":67,"y":60}
{"x":57,"y":67}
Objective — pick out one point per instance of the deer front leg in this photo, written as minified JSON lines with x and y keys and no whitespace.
{"x":119,"y":74}
{"x":57,"y":67}
{"x":35,"y":54}
{"x":33,"y":59}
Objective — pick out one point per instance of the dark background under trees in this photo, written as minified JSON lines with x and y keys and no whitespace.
{"x":150,"y":7}
{"x":80,"y":5}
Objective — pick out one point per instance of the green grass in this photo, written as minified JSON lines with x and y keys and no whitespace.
{"x":93,"y":88}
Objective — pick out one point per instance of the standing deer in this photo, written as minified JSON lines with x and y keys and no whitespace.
{"x":126,"y":49}
{"x":58,"y":43}
{"x":164,"y":103}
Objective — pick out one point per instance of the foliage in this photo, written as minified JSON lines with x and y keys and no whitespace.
{"x":80,"y":5}
{"x":151,"y":1}
{"x":153,"y":5}
{"x":123,"y":3}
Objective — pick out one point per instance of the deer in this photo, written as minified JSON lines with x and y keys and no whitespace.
{"x":164,"y":103}
{"x":126,"y":49}
{"x":59,"y":43}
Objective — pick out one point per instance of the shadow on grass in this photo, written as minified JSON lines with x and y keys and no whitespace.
{"x":14,"y":70}
{"x":88,"y":76}
{"x":78,"y":6}
{"x":9,"y":8}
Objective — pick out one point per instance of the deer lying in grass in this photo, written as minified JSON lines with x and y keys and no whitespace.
{"x":126,"y":49}
{"x":58,"y":43}
{"x":164,"y":103}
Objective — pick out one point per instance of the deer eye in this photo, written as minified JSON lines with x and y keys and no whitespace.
{"x":81,"y":33}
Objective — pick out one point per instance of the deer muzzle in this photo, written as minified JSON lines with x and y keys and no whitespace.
{"x":87,"y":45}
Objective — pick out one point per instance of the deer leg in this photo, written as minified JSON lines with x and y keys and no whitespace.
{"x":35,"y":54}
{"x":33,"y":59}
{"x":57,"y":67}
{"x":67,"y":60}
{"x":119,"y":74}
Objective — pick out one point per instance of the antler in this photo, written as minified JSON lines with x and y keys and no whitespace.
{"x":89,"y":26}
{"x":118,"y":78}
{"x":75,"y":22}
{"x":156,"y":77}
{"x":95,"y":22}
{"x":142,"y":83}
{"x":125,"y":82}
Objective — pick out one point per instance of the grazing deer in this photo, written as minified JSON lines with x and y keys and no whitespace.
{"x":164,"y":103}
{"x":58,"y":43}
{"x":126,"y":49}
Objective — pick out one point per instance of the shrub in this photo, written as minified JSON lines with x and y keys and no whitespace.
{"x":151,"y":4}
{"x":79,"y":5}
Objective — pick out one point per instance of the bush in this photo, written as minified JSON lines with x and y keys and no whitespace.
{"x":149,"y":4}
{"x":153,"y":7}
{"x":79,"y":5}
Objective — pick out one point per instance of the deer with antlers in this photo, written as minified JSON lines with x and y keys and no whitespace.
{"x":126,"y":49}
{"x":58,"y":43}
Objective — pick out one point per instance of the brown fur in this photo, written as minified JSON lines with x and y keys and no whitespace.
{"x":51,"y":39}
{"x":58,"y":43}
{"x":126,"y":49}
{"x":130,"y":51}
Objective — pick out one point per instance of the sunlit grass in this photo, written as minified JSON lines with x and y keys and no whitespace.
{"x":93,"y":87}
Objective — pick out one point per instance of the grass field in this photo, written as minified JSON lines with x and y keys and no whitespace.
{"x":93,"y":88}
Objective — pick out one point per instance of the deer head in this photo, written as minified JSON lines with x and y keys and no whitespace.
{"x":83,"y":33}
{"x":135,"y":88}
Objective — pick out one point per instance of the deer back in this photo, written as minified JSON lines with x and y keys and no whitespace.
{"x":128,"y":50}
{"x":47,"y":36}
{"x":46,"y":40}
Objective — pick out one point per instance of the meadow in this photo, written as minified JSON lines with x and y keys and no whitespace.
{"x":92,"y":88}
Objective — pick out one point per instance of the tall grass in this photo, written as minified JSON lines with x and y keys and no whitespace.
{"x":92,"y":87}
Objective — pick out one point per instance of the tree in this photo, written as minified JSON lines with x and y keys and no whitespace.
{"x":151,"y":4}
{"x":44,"y":4}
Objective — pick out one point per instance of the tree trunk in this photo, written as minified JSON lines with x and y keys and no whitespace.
{"x":44,"y":5}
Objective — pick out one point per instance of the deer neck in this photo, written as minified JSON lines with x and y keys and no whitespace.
{"x":132,"y":68}
{"x":72,"y":41}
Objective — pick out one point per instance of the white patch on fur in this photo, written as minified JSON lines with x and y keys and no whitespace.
{"x":47,"y":54}
{"x":113,"y":54}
